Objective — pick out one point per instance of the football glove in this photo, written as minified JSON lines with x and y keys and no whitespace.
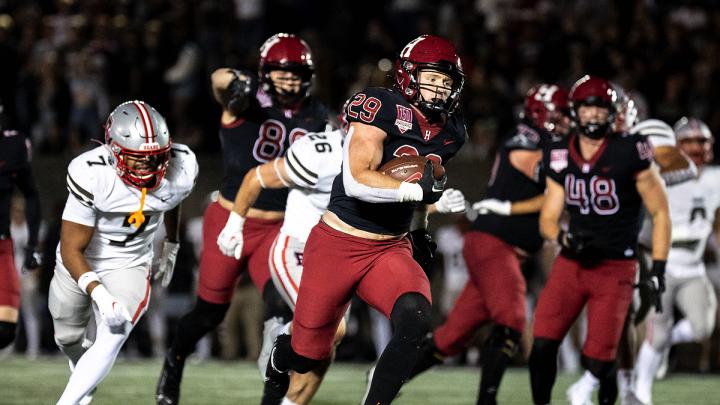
{"x":451,"y":200}
{"x":431,"y":187}
{"x":167,"y":262}
{"x":112,"y":311}
{"x":576,"y":242}
{"x":492,"y":205}
{"x":652,"y":284}
{"x":238,"y":92}
{"x":423,"y":248}
{"x":33,"y":259}
{"x":230,"y":240}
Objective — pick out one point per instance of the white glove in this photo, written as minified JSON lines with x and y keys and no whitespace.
{"x":492,"y":205}
{"x":230,"y":240}
{"x":451,"y":200}
{"x":112,"y":311}
{"x":167,"y":262}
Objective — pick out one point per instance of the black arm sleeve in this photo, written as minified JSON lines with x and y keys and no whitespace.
{"x":25,"y":182}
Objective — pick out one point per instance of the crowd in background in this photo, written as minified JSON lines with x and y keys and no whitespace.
{"x":65,"y":63}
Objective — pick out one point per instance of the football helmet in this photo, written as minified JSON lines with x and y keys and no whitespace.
{"x":428,"y":52}
{"x":286,"y":52}
{"x":690,"y":128}
{"x":546,"y":106}
{"x":626,"y":110}
{"x":138,"y":137}
{"x":593,"y":91}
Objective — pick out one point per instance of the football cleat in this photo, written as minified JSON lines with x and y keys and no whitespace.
{"x":277,"y":381}
{"x":271,"y":330}
{"x":168,"y":388}
{"x":579,"y":394}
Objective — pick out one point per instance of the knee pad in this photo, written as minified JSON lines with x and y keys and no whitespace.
{"x":410,"y":317}
{"x":274,"y":304}
{"x":208,"y":315}
{"x":504,"y":338}
{"x":7,"y":333}
{"x":600,"y":369}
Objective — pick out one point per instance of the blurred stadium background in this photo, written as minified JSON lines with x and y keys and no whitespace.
{"x":64,"y":64}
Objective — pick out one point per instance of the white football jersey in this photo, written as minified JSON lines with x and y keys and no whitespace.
{"x":312,"y":163}
{"x":658,"y":133}
{"x":99,"y":198}
{"x":692,"y":211}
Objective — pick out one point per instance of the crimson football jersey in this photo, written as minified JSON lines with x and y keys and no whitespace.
{"x":262,"y":133}
{"x":509,"y":184}
{"x":408,"y":133}
{"x":600,"y":193}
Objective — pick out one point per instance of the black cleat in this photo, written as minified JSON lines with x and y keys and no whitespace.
{"x":277,"y":381}
{"x":168,"y":388}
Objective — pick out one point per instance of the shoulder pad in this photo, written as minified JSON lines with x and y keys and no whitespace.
{"x":524,"y":137}
{"x":84,"y":172}
{"x":658,"y":132}
{"x":379,"y":107}
{"x":183,"y":168}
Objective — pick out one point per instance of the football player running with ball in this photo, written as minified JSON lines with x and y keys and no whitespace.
{"x":120,"y":194}
{"x":360,"y":245}
{"x":603,"y":178}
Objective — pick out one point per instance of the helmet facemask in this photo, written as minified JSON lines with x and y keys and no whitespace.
{"x":594,"y":129}
{"x":285,"y":98}
{"x":141,"y":169}
{"x":435,"y":107}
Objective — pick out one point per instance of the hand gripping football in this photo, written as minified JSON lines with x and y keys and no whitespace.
{"x":410,"y":168}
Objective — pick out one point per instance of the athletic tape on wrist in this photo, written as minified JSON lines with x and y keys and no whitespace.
{"x":86,"y":278}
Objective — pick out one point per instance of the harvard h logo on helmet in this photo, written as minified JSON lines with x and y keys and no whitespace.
{"x":138,"y":137}
{"x":286,"y":52}
{"x":546,"y":105}
{"x":428,"y":52}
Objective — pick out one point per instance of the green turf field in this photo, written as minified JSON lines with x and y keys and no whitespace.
{"x":133,"y":383}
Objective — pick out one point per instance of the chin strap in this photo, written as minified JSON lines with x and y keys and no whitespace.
{"x":137,"y":218}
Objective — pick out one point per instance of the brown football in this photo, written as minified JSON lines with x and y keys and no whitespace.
{"x":409,"y":168}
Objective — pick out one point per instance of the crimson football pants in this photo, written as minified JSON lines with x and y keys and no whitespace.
{"x":219,"y":273}
{"x":9,"y":281}
{"x":494,"y":292}
{"x":606,"y":289}
{"x":337,"y":265}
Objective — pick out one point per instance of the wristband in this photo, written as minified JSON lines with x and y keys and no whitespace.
{"x":85,"y":279}
{"x":658,"y":267}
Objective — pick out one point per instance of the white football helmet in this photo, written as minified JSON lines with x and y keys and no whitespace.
{"x":138,"y":137}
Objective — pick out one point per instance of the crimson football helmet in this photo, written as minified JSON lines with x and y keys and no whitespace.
{"x":428,"y":52}
{"x":286,"y":52}
{"x":136,"y":131}
{"x":546,"y":106}
{"x":593,"y":91}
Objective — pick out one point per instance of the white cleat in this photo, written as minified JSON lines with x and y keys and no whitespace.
{"x":662,"y":370}
{"x":272,"y":329}
{"x":579,"y":394}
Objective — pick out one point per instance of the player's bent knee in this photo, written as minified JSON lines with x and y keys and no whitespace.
{"x":209,"y":315}
{"x":69,"y":337}
{"x":599,"y":368}
{"x":505,"y":338}
{"x":411,"y":317}
{"x":340,"y":332}
{"x":7,"y":333}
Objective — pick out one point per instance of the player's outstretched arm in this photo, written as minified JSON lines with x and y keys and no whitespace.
{"x":675,"y":166}
{"x":652,"y":191}
{"x":551,"y":210}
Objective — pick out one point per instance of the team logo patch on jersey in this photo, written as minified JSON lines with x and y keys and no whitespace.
{"x":404,"y":119}
{"x":558,"y":159}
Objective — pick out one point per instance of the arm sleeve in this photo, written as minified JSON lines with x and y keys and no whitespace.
{"x":25,"y":182}
{"x":658,"y":133}
{"x":302,"y":161}
{"x":355,"y":189}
